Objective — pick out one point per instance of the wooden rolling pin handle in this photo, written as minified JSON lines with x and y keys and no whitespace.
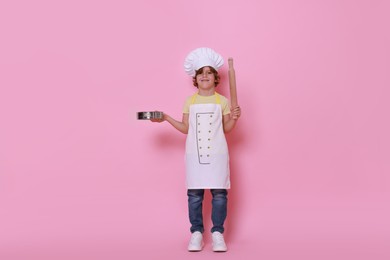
{"x":232,"y":84}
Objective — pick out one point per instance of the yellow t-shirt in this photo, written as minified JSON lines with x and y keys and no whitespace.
{"x":207,"y":100}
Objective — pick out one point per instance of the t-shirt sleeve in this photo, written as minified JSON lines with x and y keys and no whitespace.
{"x":225,"y":106}
{"x":186,"y":107}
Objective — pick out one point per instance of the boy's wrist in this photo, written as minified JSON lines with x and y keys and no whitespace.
{"x":165,"y":117}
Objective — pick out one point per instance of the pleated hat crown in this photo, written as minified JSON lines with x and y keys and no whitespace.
{"x":202,"y":57}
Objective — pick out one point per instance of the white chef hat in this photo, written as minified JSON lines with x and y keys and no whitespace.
{"x":201,"y":57}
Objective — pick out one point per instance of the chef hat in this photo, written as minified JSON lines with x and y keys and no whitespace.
{"x":201,"y":57}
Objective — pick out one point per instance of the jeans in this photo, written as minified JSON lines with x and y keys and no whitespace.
{"x":219,"y":209}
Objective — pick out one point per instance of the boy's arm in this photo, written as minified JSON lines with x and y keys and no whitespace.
{"x":230,"y":120}
{"x":181,"y":126}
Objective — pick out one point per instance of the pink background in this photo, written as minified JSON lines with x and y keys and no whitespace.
{"x":81,"y":178}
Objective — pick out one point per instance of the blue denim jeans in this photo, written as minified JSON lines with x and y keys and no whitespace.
{"x":219,"y":209}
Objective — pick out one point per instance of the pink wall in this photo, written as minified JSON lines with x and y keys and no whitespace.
{"x":81,"y":178}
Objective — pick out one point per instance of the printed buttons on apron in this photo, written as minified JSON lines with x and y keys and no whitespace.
{"x":204,"y":137}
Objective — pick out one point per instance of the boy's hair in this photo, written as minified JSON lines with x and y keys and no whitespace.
{"x":200,"y":71}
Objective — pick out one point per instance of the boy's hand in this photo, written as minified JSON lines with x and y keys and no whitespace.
{"x":236,"y":113}
{"x":158,"y":120}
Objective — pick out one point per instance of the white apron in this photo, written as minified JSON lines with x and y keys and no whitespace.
{"x":207,"y":157}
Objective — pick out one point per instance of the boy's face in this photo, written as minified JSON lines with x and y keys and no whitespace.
{"x":206,"y":79}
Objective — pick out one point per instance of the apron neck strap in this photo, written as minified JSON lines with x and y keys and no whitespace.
{"x":217,"y":98}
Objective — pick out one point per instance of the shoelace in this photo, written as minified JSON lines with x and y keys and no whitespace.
{"x":195,"y":238}
{"x":218,"y":238}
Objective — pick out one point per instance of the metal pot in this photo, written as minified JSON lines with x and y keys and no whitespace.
{"x":149,"y":115}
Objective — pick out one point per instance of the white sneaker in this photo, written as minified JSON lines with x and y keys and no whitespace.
{"x":196,"y":242}
{"x":219,"y":244}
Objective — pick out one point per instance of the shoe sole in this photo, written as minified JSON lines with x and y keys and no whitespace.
{"x":219,"y":249}
{"x":196,"y":249}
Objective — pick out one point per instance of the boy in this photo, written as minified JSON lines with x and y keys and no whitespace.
{"x":206,"y":119}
